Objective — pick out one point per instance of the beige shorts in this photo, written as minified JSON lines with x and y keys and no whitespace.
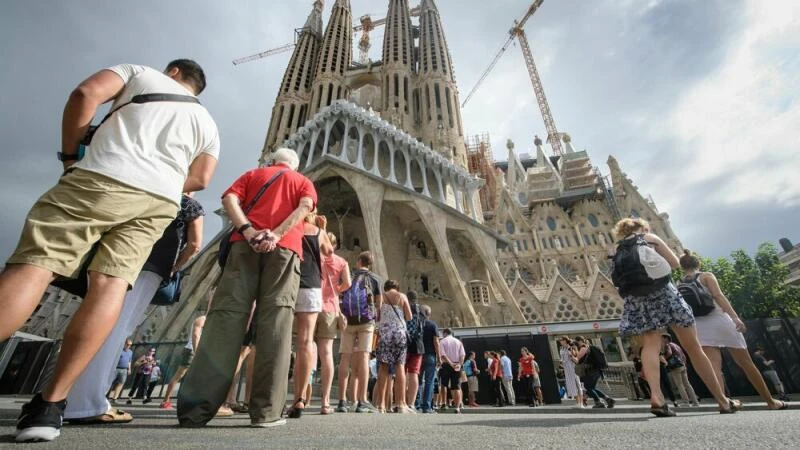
{"x":327,"y":326}
{"x":85,"y":208}
{"x":472,"y":382}
{"x":357,"y":338}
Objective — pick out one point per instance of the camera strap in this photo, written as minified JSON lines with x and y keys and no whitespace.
{"x":149,"y":98}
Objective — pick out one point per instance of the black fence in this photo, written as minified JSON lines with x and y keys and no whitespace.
{"x":537,"y":344}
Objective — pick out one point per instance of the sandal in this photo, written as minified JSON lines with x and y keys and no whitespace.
{"x":296,"y":412}
{"x":325,"y":410}
{"x":114,"y":415}
{"x":733,"y":407}
{"x":662,"y":411}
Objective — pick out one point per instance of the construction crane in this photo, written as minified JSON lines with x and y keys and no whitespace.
{"x":518,"y":32}
{"x":364,"y":44}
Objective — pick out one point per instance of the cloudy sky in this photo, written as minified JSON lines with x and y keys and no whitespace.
{"x":697,"y":99}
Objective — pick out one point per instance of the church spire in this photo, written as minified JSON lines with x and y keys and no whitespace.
{"x":291,"y":106}
{"x":398,"y":65}
{"x":334,"y":58}
{"x":440,"y":108}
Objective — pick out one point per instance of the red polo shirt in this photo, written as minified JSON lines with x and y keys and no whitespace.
{"x":276,"y":204}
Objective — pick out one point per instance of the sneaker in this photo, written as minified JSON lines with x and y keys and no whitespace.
{"x":343,"y":407}
{"x":610,"y":402}
{"x":40,"y":420}
{"x":240,"y":408}
{"x":166,"y":405}
{"x":274,"y":423}
{"x":113,"y":401}
{"x":598,"y":406}
{"x":146,"y":401}
{"x":429,"y":411}
{"x":458,"y":410}
{"x":129,"y":402}
{"x":365,"y":407}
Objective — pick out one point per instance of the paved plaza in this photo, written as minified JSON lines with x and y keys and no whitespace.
{"x":628,"y":426}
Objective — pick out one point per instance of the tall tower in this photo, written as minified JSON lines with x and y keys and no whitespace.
{"x":399,"y":93}
{"x":334,"y":59}
{"x":440,"y":121}
{"x":291,"y":107}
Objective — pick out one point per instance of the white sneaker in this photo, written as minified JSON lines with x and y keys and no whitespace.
{"x":274,"y":423}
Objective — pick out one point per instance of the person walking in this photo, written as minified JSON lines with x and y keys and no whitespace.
{"x":356,"y":345}
{"x":430,"y":337}
{"x":144,"y":365}
{"x":571,"y":380}
{"x":186,"y":360}
{"x":393,"y":313}
{"x":335,"y":280}
{"x":155,"y":377}
{"x":118,"y":198}
{"x":471,"y":370}
{"x":642,"y":270}
{"x":676,"y":362}
{"x":263,"y":264}
{"x":588,"y":356}
{"x":308,"y":306}
{"x":86,"y":403}
{"x":722,"y":328}
{"x":121,"y":372}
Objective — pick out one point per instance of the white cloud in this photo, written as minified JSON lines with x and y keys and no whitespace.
{"x":741,"y":124}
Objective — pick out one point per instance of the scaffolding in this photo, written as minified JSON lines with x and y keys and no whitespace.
{"x":480,"y":162}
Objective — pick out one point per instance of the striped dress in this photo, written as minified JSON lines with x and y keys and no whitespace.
{"x":573,"y":383}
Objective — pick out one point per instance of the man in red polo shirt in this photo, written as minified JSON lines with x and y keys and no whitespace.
{"x":263,"y":263}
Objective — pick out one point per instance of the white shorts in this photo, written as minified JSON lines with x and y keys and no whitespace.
{"x":309,"y":300}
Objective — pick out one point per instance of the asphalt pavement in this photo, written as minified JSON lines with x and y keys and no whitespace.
{"x":553,"y":427}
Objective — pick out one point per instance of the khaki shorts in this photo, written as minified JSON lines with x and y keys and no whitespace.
{"x":472,"y":382}
{"x":357,"y":338}
{"x":327,"y":326}
{"x":85,"y":208}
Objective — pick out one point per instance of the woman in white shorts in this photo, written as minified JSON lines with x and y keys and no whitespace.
{"x":308,"y":305}
{"x":722,"y":328}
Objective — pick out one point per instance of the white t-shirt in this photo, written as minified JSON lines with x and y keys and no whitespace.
{"x":150,"y":146}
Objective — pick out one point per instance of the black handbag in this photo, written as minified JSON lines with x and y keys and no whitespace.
{"x":169,"y":292}
{"x":225,"y":242}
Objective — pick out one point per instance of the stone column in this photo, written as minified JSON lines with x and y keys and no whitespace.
{"x":311,"y":148}
{"x":392,"y":176}
{"x":360,"y":155}
{"x":345,"y":143}
{"x":327,"y":141}
{"x":375,"y":171}
{"x":407,"y":157}
{"x":423,"y":166}
{"x":370,"y":198}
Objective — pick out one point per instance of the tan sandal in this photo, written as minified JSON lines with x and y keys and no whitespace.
{"x":114,"y":415}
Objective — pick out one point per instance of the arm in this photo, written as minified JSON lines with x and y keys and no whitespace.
{"x":345,"y":281}
{"x":304,"y":207}
{"x":197,"y":331}
{"x":406,"y":308}
{"x":378,"y":304}
{"x":200,"y":172}
{"x":193,"y":242}
{"x":710,"y":282}
{"x":233,"y":208}
{"x":325,"y":246}
{"x":519,"y":371}
{"x":82,"y":105}
{"x":662,"y":249}
{"x":436,"y":347}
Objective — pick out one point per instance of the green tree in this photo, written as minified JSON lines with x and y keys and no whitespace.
{"x":755,"y":285}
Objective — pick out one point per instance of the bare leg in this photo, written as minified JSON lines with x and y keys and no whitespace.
{"x":21,"y":289}
{"x":715,"y":356}
{"x":304,"y":326}
{"x":651,"y":349}
{"x":89,"y":328}
{"x":400,"y":386}
{"x":412,"y":383}
{"x":249,"y":370}
{"x":231,"y":398}
{"x":688,"y":339}
{"x":742,"y":359}
{"x":344,"y":374}
{"x":175,"y":379}
{"x":361,"y":369}
{"x":387,"y":391}
{"x":325,"y":349}
{"x":379,"y":391}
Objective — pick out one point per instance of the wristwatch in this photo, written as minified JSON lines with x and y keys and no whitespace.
{"x":68,"y":157}
{"x":244,"y":227}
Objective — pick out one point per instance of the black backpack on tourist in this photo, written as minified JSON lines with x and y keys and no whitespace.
{"x":629,"y":274}
{"x":696,"y":296}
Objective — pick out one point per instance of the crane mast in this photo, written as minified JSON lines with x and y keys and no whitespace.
{"x":517,"y":32}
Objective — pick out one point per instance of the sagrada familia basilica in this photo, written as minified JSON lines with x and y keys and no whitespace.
{"x":484,"y":242}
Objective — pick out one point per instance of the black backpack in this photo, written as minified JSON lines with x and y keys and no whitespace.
{"x":696,"y":296}
{"x":597,"y":358}
{"x":628,"y":274}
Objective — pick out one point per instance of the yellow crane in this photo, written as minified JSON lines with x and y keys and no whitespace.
{"x":518,"y":32}
{"x":364,"y":44}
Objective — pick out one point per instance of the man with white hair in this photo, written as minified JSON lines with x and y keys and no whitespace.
{"x":263,"y":264}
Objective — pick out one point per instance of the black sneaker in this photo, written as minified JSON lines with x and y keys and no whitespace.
{"x":610,"y":402}
{"x":40,"y":420}
{"x":343,"y":407}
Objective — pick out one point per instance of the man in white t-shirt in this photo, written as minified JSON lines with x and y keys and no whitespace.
{"x":118,"y":199}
